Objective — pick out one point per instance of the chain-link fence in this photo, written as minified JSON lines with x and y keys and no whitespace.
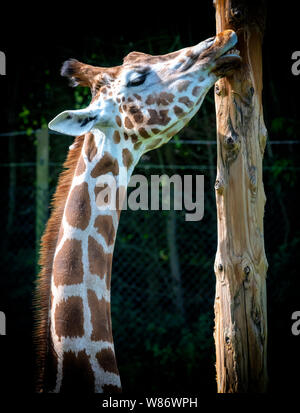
{"x":162,"y":277}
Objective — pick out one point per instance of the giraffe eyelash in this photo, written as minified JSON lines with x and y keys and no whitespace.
{"x":138,"y":80}
{"x":137,"y":77}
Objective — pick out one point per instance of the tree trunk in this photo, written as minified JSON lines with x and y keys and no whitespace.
{"x":241,"y":265}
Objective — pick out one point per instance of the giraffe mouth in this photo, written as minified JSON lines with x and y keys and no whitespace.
{"x":227,"y":62}
{"x":228,"y":56}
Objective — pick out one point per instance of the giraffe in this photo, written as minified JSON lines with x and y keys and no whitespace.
{"x":135,"y":107}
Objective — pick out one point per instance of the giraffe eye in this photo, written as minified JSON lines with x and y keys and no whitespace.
{"x":137,"y":79}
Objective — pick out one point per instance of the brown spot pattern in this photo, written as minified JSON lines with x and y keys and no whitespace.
{"x":158,"y":118}
{"x":100,"y":318}
{"x":118,"y":120}
{"x":127,"y":158}
{"x":78,"y":376}
{"x":137,"y":114}
{"x":150,"y":100}
{"x":182,"y":86}
{"x":128,"y":123}
{"x":106,"y":164}
{"x":107,"y":360}
{"x":178,"y":111}
{"x":116,"y":137}
{"x":196,"y":91}
{"x":164,"y":98}
{"x":105,"y":227}
{"x":67,"y":266}
{"x":133,"y":138}
{"x":98,"y":259}
{"x":90,"y":146}
{"x":186,"y":101}
{"x":144,"y":134}
{"x":78,"y":209}
{"x":69,"y":318}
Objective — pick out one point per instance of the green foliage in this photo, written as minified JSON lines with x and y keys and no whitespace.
{"x":82,"y":97}
{"x":284,"y":170}
{"x":285,"y":126}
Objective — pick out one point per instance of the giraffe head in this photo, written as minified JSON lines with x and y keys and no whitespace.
{"x":148,"y":98}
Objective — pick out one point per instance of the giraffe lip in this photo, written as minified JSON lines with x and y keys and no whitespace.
{"x":227,"y":62}
{"x":232,"y":52}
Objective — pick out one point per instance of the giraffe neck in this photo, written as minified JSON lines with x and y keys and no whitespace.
{"x":80,"y":350}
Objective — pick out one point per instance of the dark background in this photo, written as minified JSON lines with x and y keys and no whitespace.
{"x":36,"y":42}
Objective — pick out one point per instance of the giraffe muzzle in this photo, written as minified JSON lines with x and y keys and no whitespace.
{"x":215,"y":54}
{"x":226,"y":57}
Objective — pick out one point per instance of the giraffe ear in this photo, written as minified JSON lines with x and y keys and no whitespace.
{"x":75,"y":122}
{"x":81,"y":74}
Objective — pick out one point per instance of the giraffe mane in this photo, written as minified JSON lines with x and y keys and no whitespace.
{"x":41,"y":300}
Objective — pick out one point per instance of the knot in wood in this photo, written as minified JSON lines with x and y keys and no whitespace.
{"x":217,"y":90}
{"x":231,"y":142}
{"x":236,"y":13}
{"x":247,"y":270}
{"x":236,"y":17}
{"x":219,"y":186}
{"x":220,"y":267}
{"x":246,"y":282}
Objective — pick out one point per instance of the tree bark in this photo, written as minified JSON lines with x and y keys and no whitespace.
{"x":240,"y":264}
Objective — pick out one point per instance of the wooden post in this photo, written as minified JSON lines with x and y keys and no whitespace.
{"x":240,"y":264}
{"x":42,"y":183}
